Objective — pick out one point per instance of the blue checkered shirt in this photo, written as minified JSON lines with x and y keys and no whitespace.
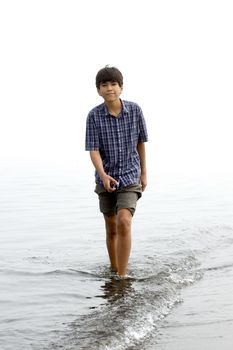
{"x":116,"y":139}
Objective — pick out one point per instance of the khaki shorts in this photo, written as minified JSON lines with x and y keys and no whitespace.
{"x":125,"y":198}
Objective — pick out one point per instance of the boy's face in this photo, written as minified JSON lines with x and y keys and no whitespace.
{"x":110,"y":91}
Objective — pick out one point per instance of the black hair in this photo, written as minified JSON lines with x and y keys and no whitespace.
{"x":109,"y":74}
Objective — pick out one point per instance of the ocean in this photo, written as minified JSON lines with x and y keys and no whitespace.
{"x":56,"y":288}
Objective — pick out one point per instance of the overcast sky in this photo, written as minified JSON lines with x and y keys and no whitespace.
{"x":176,"y":58}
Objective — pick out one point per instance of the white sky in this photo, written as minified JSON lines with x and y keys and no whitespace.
{"x":176,"y":58}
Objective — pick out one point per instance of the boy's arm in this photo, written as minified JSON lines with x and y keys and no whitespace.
{"x":142,"y":155}
{"x":107,"y":180}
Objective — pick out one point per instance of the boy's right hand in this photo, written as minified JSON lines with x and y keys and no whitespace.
{"x":110,"y":184}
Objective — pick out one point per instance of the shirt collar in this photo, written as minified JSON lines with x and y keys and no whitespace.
{"x":124,"y":108}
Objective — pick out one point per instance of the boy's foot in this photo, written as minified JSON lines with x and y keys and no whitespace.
{"x":122,"y":278}
{"x":113,"y":269}
{"x":113,"y":272}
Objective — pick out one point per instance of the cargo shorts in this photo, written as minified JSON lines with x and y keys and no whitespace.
{"x":124,"y":198}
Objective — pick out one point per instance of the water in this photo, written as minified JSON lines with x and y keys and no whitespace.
{"x":56,"y":288}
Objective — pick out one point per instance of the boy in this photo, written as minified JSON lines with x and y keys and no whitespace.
{"x":115,"y":136}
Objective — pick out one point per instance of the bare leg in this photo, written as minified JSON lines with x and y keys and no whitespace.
{"x":123,"y":247}
{"x":111,"y":239}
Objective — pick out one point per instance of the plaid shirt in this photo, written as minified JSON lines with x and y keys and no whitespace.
{"x":116,"y":139}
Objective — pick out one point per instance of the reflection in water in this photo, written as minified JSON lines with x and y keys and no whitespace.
{"x":117,"y":289}
{"x":108,"y":326}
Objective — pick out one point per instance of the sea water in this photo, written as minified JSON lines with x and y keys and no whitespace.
{"x":56,"y":288}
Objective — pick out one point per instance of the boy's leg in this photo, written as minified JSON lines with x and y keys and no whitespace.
{"x":118,"y":226}
{"x":111,"y":239}
{"x":123,"y":247}
{"x":126,"y":205}
{"x":107,"y":203}
{"x":118,"y":239}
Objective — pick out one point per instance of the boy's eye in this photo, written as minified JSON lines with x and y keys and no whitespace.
{"x":113,"y":83}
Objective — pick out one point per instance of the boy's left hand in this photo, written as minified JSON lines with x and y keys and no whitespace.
{"x":143,"y":180}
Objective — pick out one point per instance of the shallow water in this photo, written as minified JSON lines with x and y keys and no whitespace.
{"x":56,"y":288}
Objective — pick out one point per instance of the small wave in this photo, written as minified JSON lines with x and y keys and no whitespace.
{"x":217,"y":268}
{"x":51,"y":272}
{"x":201,"y":323}
{"x":73,"y":272}
{"x":134,"y":308}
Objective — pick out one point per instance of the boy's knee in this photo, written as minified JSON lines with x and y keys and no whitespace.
{"x":110,"y":224}
{"x":124,"y":219}
{"x":111,"y":233}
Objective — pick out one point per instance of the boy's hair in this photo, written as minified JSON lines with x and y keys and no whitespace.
{"x":109,"y":74}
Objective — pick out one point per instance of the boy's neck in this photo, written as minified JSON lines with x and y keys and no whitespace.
{"x":114,"y":107}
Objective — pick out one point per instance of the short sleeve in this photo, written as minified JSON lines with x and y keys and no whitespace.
{"x":92,"y":138}
{"x":143,"y":135}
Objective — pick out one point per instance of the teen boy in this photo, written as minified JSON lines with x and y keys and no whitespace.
{"x":115,"y":136}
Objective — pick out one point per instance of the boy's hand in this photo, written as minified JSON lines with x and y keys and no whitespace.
{"x":143,"y":180}
{"x":110,"y":184}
